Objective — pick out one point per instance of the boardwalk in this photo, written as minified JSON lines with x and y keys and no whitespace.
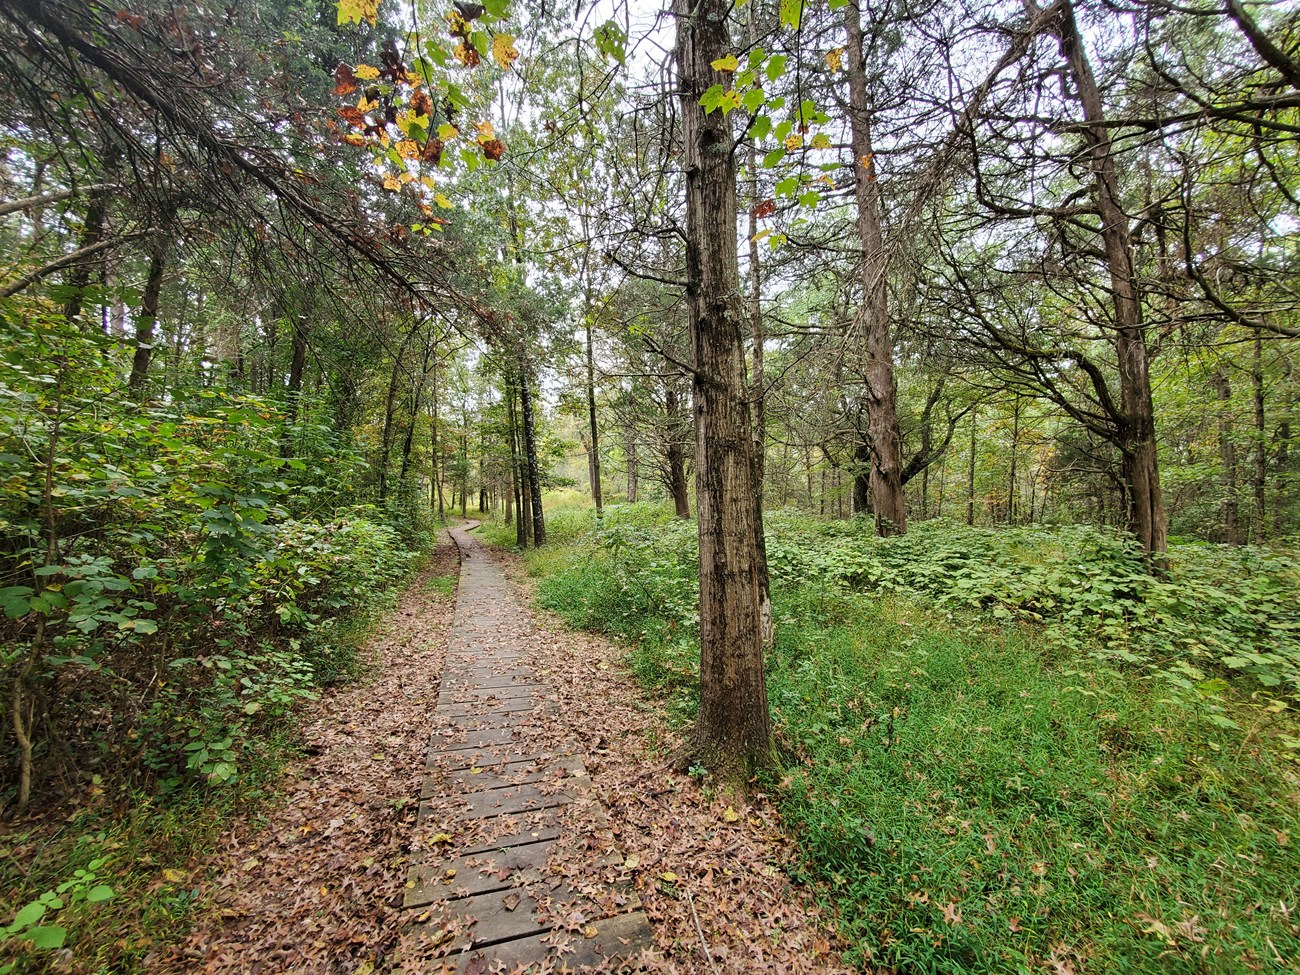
{"x":519,"y":868}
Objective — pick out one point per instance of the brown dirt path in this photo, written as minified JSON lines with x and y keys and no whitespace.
{"x":710,"y":871}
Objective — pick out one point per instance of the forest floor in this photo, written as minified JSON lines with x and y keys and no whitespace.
{"x":316,"y":882}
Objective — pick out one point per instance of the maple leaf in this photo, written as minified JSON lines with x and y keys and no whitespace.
{"x":345,"y":82}
{"x":728,"y":63}
{"x":467,"y":55}
{"x":392,"y":185}
{"x":494,"y":149}
{"x":354,"y":139}
{"x":504,"y":51}
{"x":408,"y":149}
{"x":765,"y":209}
{"x":432,"y":153}
{"x":366,"y":72}
{"x":352,"y":115}
{"x":834,"y":57}
{"x":421,"y":103}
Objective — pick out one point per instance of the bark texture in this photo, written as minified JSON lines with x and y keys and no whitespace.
{"x":1136,"y":432}
{"x":733,"y":730}
{"x":885,"y":459}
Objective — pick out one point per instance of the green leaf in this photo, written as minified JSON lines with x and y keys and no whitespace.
{"x":98,"y":893}
{"x":810,"y":198}
{"x":28,"y":915}
{"x":787,"y":186}
{"x":728,"y":63}
{"x":761,"y":127}
{"x":756,"y":58}
{"x":611,"y":41}
{"x":48,"y":937}
{"x":146,"y":626}
{"x":791,"y":13}
{"x":774,"y":157}
{"x":712,"y":98}
{"x":775,"y":66}
{"x":753,"y":100}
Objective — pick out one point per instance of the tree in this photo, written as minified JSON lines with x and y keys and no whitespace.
{"x":733,"y":728}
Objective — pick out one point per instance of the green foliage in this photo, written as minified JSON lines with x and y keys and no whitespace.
{"x":172,"y":548}
{"x":33,"y":924}
{"x":971,"y":802}
{"x":979,"y":778}
{"x":1217,"y":611}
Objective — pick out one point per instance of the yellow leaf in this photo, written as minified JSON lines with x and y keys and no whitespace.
{"x":447,"y":132}
{"x":403,"y":179}
{"x":590,"y":931}
{"x":485,"y":129}
{"x":821,"y":141}
{"x":366,"y":72}
{"x":834,"y":58}
{"x":669,"y":876}
{"x":728,"y":63}
{"x":446,"y":204}
{"x":364,"y":106}
{"x":390,"y":183}
{"x":408,"y":148}
{"x":760,"y":235}
{"x":475,"y":770}
{"x":441,"y":838}
{"x":174,"y":876}
{"x":793,"y":141}
{"x":504,"y":51}
{"x":632,"y":862}
{"x":367,"y":967}
{"x":428,"y":181}
{"x":731,"y":816}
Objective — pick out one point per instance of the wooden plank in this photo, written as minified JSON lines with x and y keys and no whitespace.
{"x":485,"y":757}
{"x":477,"y":874}
{"x":623,"y":936}
{"x":450,"y":741}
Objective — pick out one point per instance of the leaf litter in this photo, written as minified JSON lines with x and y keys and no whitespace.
{"x":314,"y":883}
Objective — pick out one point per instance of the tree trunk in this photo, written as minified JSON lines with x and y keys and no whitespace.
{"x":1227,"y":459}
{"x":147,"y":320}
{"x":970,"y":479}
{"x":888,"y":499}
{"x":593,"y":458}
{"x":518,"y":475}
{"x":631,"y":467}
{"x":530,"y":452}
{"x":1136,"y":435}
{"x":1260,"y":457}
{"x":675,"y":454}
{"x":390,"y":406}
{"x":732,"y":732}
{"x":435,"y":467}
{"x":758,"y":393}
{"x":1015,"y":449}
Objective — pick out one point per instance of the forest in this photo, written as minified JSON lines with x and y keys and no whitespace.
{"x":910,"y":389}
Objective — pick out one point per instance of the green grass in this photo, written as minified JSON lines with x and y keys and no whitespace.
{"x":970,"y":794}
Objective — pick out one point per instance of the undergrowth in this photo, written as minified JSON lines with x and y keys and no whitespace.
{"x":1003,"y":751}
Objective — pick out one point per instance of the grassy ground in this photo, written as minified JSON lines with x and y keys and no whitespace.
{"x":977,"y":795}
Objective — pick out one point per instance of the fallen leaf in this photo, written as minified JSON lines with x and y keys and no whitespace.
{"x":730,"y":815}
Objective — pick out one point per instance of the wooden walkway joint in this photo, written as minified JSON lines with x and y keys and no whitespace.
{"x":505,"y":881}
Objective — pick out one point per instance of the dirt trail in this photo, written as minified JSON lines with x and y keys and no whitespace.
{"x":551,"y":825}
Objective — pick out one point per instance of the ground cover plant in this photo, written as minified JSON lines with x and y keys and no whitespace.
{"x":1003,"y":752}
{"x":180,"y":578}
